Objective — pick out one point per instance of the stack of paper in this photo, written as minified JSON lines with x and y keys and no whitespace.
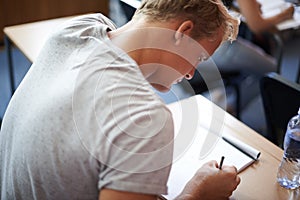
{"x":185,"y":166}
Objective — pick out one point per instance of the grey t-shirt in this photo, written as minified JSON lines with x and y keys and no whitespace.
{"x":84,"y":118}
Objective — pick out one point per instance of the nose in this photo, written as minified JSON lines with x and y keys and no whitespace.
{"x":190,"y":74}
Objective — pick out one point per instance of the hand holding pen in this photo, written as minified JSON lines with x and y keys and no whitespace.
{"x":212,"y":181}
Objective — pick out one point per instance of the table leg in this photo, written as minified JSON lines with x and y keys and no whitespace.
{"x":298,"y":73}
{"x":8,"y":49}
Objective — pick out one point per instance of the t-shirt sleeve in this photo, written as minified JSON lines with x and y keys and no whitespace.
{"x":140,"y":156}
{"x":121,"y":122}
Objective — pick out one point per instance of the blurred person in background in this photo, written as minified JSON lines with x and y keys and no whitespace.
{"x":245,"y":56}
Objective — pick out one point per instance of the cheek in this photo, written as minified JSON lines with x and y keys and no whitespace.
{"x":179,"y":65}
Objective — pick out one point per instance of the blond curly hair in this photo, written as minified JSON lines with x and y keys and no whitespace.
{"x":207,"y":15}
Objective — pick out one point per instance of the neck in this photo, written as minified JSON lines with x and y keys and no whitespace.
{"x":129,"y":39}
{"x":137,"y":38}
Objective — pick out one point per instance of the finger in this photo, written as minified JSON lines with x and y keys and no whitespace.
{"x":238,"y":180}
{"x":230,"y":168}
{"x":235,"y":169}
{"x":212,"y":163}
{"x":215,"y":163}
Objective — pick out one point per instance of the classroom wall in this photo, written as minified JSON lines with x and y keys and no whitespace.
{"x":14,"y":12}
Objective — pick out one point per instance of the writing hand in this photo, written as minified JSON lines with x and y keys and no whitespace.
{"x":211,"y":183}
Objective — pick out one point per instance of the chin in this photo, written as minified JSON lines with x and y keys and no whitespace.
{"x":164,"y":90}
{"x":161,"y":88}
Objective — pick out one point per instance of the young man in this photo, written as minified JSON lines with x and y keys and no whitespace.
{"x":85,"y":122}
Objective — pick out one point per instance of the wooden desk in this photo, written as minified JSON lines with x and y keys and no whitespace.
{"x":257,"y":181}
{"x":29,"y":38}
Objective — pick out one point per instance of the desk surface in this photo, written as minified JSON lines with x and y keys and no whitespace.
{"x":258,"y":181}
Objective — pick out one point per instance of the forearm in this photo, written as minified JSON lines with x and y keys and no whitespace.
{"x":251,"y":10}
{"x":192,"y":191}
{"x":263,"y":25}
{"x":284,"y":15}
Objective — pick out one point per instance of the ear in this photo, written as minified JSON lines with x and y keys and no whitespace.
{"x":185,"y":28}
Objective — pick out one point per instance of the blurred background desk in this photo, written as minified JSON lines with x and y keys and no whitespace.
{"x":30,"y":37}
{"x":258,"y":181}
{"x":20,"y":12}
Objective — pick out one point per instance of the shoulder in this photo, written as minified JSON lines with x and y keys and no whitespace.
{"x":84,"y":25}
{"x":91,"y":19}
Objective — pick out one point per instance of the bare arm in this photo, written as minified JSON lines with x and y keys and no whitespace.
{"x":108,"y":194}
{"x":250,"y":9}
{"x":209,"y":183}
